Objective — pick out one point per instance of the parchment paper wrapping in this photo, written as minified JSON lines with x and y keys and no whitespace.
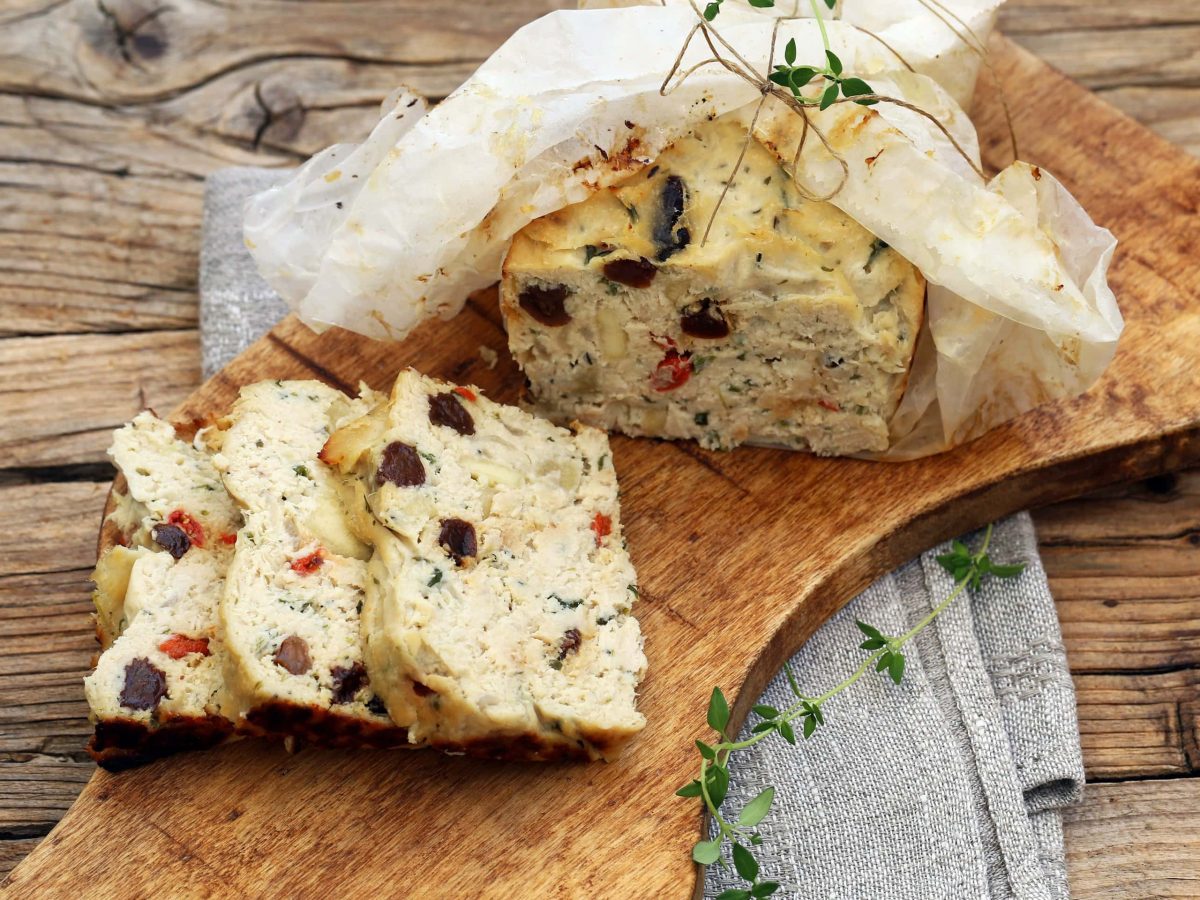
{"x":380,"y":237}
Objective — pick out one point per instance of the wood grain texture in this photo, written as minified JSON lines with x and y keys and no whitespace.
{"x":1021,"y":17}
{"x":1170,"y":110}
{"x":1135,"y":841}
{"x":703,"y":528}
{"x":1125,"y":566}
{"x":60,"y":530}
{"x":1144,"y":58}
{"x":88,"y":384}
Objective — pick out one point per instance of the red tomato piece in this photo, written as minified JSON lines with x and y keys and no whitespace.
{"x":672,"y":371}
{"x":193,"y":529}
{"x":306,"y":565}
{"x":602,"y":525}
{"x":229,"y":538}
{"x":177,"y":646}
{"x":465,"y":392}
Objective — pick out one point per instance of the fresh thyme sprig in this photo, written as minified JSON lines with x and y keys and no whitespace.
{"x":884,"y":654}
{"x":794,"y":77}
{"x":848,"y":87}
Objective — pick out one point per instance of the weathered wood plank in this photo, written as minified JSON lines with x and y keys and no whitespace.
{"x":1135,"y":840}
{"x":1124,"y":566}
{"x":46,"y":647}
{"x":1019,"y":17}
{"x":36,"y":789}
{"x":54,"y":527}
{"x":1109,"y":58}
{"x":1171,"y":111}
{"x":1133,"y":726}
{"x":100,"y":210}
{"x":60,"y":397}
{"x":129,"y":51}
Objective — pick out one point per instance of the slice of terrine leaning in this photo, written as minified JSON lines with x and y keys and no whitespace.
{"x":498,"y":599}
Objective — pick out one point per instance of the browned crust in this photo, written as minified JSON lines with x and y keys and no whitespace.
{"x":323,"y":728}
{"x":122,"y":743}
{"x":110,"y":535}
{"x":527,"y":747}
{"x":518,"y":748}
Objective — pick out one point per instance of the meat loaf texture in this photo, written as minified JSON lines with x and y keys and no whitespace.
{"x":791,"y":325}
{"x":156,"y":690}
{"x":165,"y":476}
{"x":157,"y":685}
{"x":290,"y":609}
{"x":498,"y":599}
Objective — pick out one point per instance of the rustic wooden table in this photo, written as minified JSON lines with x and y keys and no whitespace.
{"x":111,"y":114}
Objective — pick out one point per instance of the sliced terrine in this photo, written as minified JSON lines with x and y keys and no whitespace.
{"x":790,"y":325}
{"x":294,"y":593}
{"x":157,"y":685}
{"x":498,"y":600}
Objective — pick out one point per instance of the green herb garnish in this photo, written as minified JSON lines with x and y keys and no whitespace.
{"x":591,"y":251}
{"x":885,"y":655}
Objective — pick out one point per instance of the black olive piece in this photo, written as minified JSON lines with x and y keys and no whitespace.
{"x":707,"y":321}
{"x":400,"y":465}
{"x":448,"y":410}
{"x":546,"y":305}
{"x":634,"y":273}
{"x":458,"y":537}
{"x":145,"y":685}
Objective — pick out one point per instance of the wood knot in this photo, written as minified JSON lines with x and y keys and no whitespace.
{"x":130,"y":31}
{"x":1162,"y":484}
{"x":278,"y":115}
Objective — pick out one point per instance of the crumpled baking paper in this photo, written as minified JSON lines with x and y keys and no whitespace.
{"x":380,"y":237}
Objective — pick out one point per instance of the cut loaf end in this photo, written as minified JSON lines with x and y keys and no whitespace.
{"x":791,"y":325}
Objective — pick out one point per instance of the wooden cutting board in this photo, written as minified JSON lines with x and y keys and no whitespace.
{"x":741,"y":557}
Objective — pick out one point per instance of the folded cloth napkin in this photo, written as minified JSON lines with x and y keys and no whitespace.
{"x":950,"y":785}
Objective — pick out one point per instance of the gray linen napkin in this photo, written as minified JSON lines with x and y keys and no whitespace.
{"x":950,"y":785}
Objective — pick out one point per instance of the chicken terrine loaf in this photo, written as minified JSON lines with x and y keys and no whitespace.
{"x":498,"y":604}
{"x":791,"y":325}
{"x":157,"y":685}
{"x":291,"y":606}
